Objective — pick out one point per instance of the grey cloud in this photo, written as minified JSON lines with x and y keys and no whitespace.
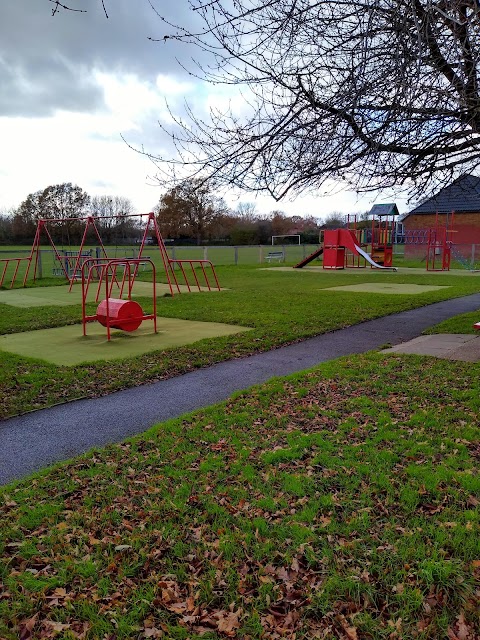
{"x":46,"y":62}
{"x":49,"y":85}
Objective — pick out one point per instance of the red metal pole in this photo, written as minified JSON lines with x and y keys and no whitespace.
{"x":4,"y":272}
{"x":215,"y":276}
{"x":77,"y":261}
{"x":44,"y":227}
{"x":154,"y":296}
{"x":194,"y":275}
{"x":163,"y":252}
{"x":180,"y":263}
{"x":34,"y":246}
{"x":205,"y":276}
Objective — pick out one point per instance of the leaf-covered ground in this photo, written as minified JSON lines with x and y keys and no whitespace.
{"x":340,"y":503}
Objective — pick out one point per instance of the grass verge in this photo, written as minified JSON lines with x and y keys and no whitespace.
{"x":340,"y":503}
{"x":462,"y":323}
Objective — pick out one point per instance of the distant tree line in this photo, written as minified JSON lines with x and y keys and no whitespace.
{"x":62,"y":204}
{"x":189,"y":213}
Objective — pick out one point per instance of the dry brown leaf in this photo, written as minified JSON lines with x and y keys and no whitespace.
{"x":26,"y":627}
{"x":56,"y":626}
{"x":153,"y":632}
{"x":463,"y":630}
{"x":228,"y":621}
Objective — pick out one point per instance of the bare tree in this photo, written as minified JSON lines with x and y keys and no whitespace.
{"x":112,"y":213}
{"x":374,"y":94}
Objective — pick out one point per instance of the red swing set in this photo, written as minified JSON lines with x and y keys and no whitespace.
{"x":72,"y":266}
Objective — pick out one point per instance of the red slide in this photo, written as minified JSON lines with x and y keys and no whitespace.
{"x":312,"y":256}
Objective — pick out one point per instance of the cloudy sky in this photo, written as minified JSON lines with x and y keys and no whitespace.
{"x":75,"y":86}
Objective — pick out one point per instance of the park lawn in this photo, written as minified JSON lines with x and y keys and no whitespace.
{"x":463,"y":323}
{"x":282,"y":307}
{"x":342,"y":502}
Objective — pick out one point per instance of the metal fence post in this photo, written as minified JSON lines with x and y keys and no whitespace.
{"x":473,"y":256}
{"x":260,"y":254}
{"x":236,"y":256}
{"x":205,"y":253}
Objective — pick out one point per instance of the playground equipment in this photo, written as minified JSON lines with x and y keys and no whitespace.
{"x":116,"y":313}
{"x":354,"y":260}
{"x":315,"y":254}
{"x":383,"y":232}
{"x":71,"y":266}
{"x":440,"y":243}
{"x":335,"y":244}
{"x":69,"y":260}
{"x":435,"y":245}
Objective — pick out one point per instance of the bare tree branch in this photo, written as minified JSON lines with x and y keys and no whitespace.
{"x":383,"y":93}
{"x":60,"y":5}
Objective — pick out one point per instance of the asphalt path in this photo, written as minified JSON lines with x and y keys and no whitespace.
{"x":35,"y":440}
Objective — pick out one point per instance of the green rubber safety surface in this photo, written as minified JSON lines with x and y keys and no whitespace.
{"x":68,"y":346}
{"x":388,"y":288}
{"x":62,"y":297}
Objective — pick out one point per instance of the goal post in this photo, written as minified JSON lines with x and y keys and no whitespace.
{"x":287,"y":235}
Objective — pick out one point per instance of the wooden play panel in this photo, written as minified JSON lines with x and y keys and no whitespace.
{"x":387,"y":288}
{"x":60,"y":295}
{"x":67,"y":346}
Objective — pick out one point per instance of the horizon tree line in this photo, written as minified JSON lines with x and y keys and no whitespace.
{"x":189,"y":213}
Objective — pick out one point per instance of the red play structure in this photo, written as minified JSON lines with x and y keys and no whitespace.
{"x":383,"y":232}
{"x":116,"y":313}
{"x":440,"y":241}
{"x":336,"y":243}
{"x":71,"y":266}
{"x":354,"y":260}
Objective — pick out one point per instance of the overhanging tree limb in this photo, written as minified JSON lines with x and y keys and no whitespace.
{"x":376,"y":94}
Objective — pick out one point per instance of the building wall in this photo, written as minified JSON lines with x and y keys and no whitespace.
{"x":466,"y":225}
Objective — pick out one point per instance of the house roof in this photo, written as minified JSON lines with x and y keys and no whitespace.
{"x":384,"y":210}
{"x":461,"y":196}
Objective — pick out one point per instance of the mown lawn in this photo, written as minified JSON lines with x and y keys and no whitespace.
{"x":282,"y":307}
{"x":339,"y":503}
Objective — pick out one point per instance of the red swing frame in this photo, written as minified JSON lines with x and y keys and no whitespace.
{"x":169,"y":264}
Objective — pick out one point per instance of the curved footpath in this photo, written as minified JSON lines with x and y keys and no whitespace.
{"x":35,"y":440}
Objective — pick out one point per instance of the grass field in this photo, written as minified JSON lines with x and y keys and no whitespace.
{"x":280,"y":306}
{"x":339,"y":503}
{"x":243,"y":255}
{"x":342,"y":502}
{"x":220,"y":256}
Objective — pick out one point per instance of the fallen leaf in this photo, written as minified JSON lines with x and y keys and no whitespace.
{"x":56,"y":626}
{"x":26,"y":627}
{"x":228,"y":622}
{"x":153,"y":632}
